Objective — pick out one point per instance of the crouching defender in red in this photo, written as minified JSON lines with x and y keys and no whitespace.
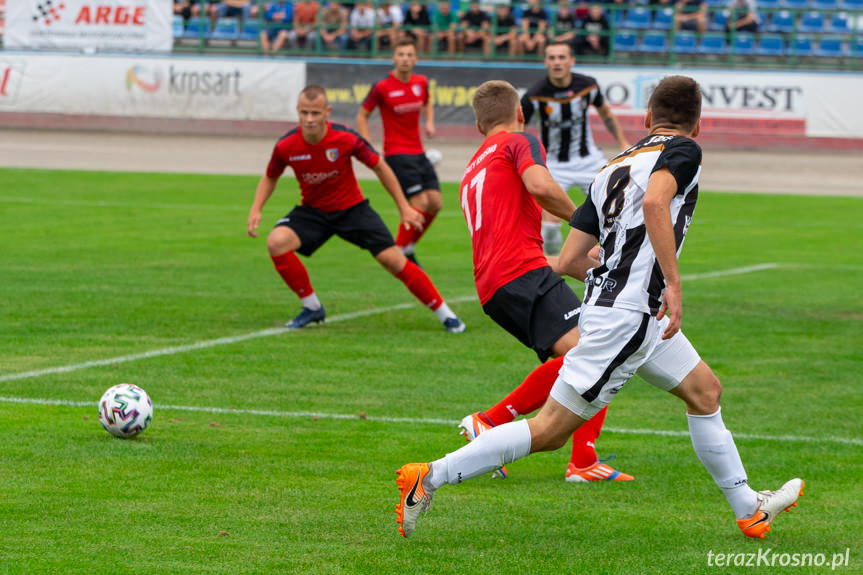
{"x":332,"y":204}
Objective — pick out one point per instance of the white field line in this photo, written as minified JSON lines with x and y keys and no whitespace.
{"x":413,"y":420}
{"x":279,"y":331}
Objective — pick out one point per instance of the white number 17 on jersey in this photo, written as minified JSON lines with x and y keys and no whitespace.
{"x":476,"y":183}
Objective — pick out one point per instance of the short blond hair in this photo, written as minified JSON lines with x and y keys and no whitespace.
{"x":495,"y":102}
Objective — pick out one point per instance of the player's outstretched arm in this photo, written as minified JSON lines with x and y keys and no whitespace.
{"x":408,"y":215}
{"x":265,"y":189}
{"x":613,"y":126}
{"x":661,"y":189}
{"x":363,"y":123}
{"x":576,"y":255}
{"x":547,"y":192}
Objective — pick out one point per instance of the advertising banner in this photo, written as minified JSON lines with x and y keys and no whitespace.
{"x":186,"y":88}
{"x":115,"y":25}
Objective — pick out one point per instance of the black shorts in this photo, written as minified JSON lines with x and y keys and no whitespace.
{"x":359,"y":225}
{"x":414,"y":172}
{"x":538,"y":308}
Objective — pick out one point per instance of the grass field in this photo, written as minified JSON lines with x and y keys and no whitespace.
{"x":99,"y":265}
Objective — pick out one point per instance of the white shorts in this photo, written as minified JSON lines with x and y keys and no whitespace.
{"x":614,"y":345}
{"x":576,"y":173}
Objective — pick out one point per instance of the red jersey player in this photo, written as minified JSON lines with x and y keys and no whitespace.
{"x":503,"y":188}
{"x":320,"y":154}
{"x":401,"y":96}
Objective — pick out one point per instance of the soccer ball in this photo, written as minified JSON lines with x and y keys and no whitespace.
{"x":434,"y":156}
{"x":125,"y":410}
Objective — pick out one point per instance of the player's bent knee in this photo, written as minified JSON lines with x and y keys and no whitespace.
{"x":392,"y":259}
{"x":701,"y":390}
{"x":282,"y":240}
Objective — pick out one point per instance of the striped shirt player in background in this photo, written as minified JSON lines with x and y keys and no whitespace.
{"x":401,"y":96}
{"x":561,"y":101}
{"x":505,"y":188}
{"x":332,"y":204}
{"x":639,"y":208}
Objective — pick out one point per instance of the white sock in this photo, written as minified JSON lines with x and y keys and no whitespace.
{"x":490,"y":450}
{"x":715,"y":447}
{"x":408,"y":249}
{"x":312,"y":302}
{"x":443,"y":312}
{"x":551,"y":232}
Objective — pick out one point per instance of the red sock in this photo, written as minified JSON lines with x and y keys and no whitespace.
{"x":529,"y":396}
{"x":294,"y":273}
{"x":429,"y":219}
{"x":405,"y":236}
{"x":583,"y":451}
{"x":420,"y":285}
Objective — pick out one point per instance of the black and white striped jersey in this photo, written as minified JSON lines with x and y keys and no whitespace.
{"x":630,"y":276}
{"x":563,"y":122}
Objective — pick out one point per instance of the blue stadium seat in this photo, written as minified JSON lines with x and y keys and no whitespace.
{"x":718,"y":21}
{"x":796,"y":4}
{"x":712,"y":44}
{"x":625,"y":42}
{"x":197,"y":27}
{"x":781,"y":22}
{"x":654,"y":42}
{"x":839,"y":23}
{"x":825,"y":4}
{"x":251,"y":30}
{"x":226,"y":29}
{"x":802,"y":46}
{"x":857,"y":46}
{"x":177,"y":26}
{"x":716,"y":3}
{"x":637,"y":19}
{"x":831,"y":47}
{"x":768,"y":4}
{"x":851,"y":4}
{"x":771,"y":46}
{"x":684,"y":43}
{"x":663,"y":19}
{"x":744,"y":44}
{"x":811,"y":22}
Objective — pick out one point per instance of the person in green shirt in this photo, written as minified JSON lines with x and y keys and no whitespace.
{"x":445,"y":22}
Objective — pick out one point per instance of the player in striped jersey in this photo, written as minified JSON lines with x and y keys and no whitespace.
{"x":639,"y":208}
{"x":561,"y":101}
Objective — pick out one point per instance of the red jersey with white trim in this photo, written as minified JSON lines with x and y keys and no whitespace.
{"x":400,"y":104}
{"x":324,"y":170}
{"x":503,"y":218}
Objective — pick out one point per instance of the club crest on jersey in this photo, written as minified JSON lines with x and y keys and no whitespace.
{"x":332,"y":154}
{"x":417,"y":89}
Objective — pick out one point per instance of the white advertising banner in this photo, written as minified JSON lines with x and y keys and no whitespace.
{"x":186,"y":88}
{"x":112,"y":25}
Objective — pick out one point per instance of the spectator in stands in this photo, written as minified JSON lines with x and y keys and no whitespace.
{"x":691,"y":15}
{"x":476,"y":24}
{"x":210,"y":7}
{"x":275,"y":34}
{"x":593,"y":38}
{"x":390,"y":18}
{"x":334,"y":26}
{"x":534,"y":24}
{"x":239,"y":9}
{"x":446,"y":23}
{"x":362,"y":23}
{"x":564,"y":26}
{"x":417,"y":23}
{"x":181,"y":8}
{"x":305,"y":24}
{"x":506,"y":30}
{"x":744,"y":17}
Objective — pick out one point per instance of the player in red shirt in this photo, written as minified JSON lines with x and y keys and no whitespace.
{"x":401,"y":96}
{"x":320,"y":154}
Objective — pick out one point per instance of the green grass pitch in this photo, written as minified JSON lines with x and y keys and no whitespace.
{"x":104,"y":265}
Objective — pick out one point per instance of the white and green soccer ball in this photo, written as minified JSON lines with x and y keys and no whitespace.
{"x":125,"y":410}
{"x":434,"y":156}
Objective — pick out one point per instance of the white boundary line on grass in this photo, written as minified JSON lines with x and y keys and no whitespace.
{"x":280,"y":330}
{"x":413,"y":420}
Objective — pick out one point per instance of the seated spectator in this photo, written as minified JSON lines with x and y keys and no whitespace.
{"x":593,"y":39}
{"x":305,"y":24}
{"x":390,"y":18}
{"x":564,"y":26}
{"x":181,"y":8}
{"x":274,"y":35}
{"x":211,"y":9}
{"x":417,"y":24}
{"x":506,"y":30}
{"x":744,"y":17}
{"x":691,"y":15}
{"x":334,"y":26}
{"x":239,"y":9}
{"x":534,"y":23}
{"x":446,"y":23}
{"x":476,"y":24}
{"x":362,"y":22}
